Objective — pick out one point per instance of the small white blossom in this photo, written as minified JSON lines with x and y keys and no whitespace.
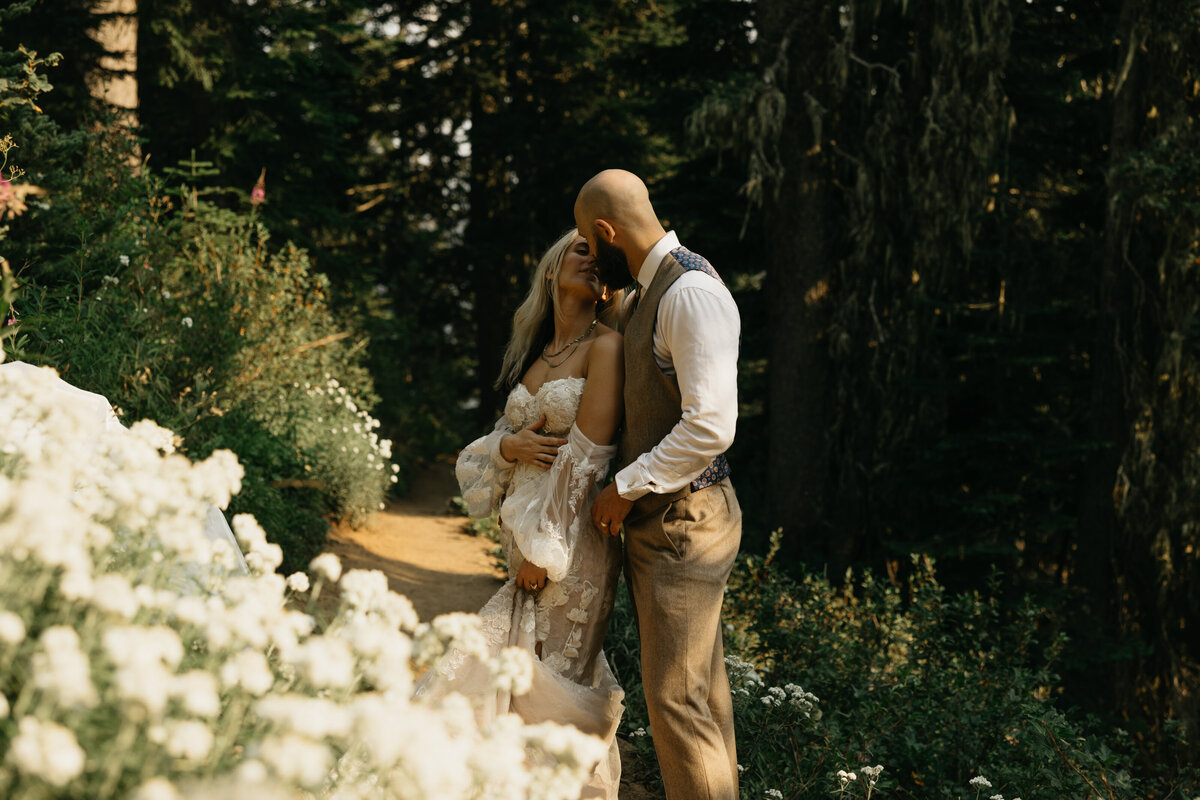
{"x":197,"y":691}
{"x":46,"y":750}
{"x":326,"y":663}
{"x":12,"y":629}
{"x":363,"y":588}
{"x":156,"y":789}
{"x":296,"y":758}
{"x":979,"y":783}
{"x":62,"y":670}
{"x":189,"y":739}
{"x":326,"y":566}
{"x":774,"y":794}
{"x":248,"y":669}
{"x":114,"y":593}
{"x":514,"y":671}
{"x":186,"y":322}
{"x":298,"y":582}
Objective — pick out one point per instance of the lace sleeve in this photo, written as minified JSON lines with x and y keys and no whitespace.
{"x":482,"y":473}
{"x":547,"y":537}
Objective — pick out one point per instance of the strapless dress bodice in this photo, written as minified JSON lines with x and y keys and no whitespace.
{"x":558,"y":399}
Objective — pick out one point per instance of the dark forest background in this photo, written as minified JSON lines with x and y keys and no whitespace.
{"x":964,"y":238}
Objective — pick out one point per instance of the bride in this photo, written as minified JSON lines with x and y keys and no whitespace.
{"x":542,"y":466}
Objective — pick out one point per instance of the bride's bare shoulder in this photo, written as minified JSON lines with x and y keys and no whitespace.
{"x":608,"y":345}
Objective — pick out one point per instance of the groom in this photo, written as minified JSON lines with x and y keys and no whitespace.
{"x":682,"y":519}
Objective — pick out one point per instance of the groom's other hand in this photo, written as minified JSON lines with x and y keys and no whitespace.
{"x":609,"y":510}
{"x":531,"y":447}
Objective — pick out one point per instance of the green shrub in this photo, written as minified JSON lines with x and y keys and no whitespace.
{"x":181,"y":311}
{"x":938,"y":689}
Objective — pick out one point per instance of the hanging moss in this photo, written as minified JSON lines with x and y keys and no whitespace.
{"x":1154,"y":232}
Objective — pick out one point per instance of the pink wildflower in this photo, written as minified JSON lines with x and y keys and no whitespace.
{"x":6,"y":191}
{"x":259,"y":193}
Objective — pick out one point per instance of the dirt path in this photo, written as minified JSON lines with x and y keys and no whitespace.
{"x":424,"y":548}
{"x":429,"y":555}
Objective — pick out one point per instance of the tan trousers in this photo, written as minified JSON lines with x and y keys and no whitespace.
{"x":677,"y":562}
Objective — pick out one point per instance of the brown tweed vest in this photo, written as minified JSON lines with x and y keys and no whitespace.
{"x":653,"y":402}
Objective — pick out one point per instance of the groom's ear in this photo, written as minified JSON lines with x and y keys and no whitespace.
{"x":605,"y":230}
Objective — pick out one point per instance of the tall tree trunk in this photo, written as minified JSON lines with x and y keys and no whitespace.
{"x":117,"y":32}
{"x":799,"y":260}
{"x":1140,"y":564}
{"x":1094,"y":567}
{"x":491,"y":263}
{"x":893,"y":113}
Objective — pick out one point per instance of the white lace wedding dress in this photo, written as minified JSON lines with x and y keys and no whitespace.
{"x":546,"y":518}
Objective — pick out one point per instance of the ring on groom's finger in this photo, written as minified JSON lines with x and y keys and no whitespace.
{"x":604,"y":524}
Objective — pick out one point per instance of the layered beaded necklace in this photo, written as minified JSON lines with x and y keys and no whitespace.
{"x":572,"y":345}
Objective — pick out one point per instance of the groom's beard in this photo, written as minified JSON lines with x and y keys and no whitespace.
{"x":612,"y":266}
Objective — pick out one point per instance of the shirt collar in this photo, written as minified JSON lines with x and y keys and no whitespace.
{"x":650,"y":266}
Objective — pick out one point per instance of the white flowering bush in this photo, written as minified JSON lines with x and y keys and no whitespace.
{"x":342,"y":448}
{"x":133,"y":663}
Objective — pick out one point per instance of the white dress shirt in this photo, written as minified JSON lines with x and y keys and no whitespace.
{"x":696,"y":340}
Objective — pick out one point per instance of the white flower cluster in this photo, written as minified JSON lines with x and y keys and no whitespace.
{"x":793,"y":695}
{"x":980,"y":783}
{"x":743,"y":677}
{"x":872,"y":773}
{"x":870,"y":776}
{"x":122,"y":679}
{"x":745,"y":681}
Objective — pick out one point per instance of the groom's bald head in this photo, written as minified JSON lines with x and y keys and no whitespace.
{"x":617,"y":196}
{"x":614,"y":207}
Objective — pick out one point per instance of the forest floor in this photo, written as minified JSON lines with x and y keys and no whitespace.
{"x":429,"y":555}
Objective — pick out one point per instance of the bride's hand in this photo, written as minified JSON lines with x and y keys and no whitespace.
{"x":530,"y":447}
{"x":531,"y":577}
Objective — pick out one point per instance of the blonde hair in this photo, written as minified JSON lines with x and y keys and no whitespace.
{"x":533,"y":322}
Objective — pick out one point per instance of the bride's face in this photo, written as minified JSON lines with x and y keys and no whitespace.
{"x":578,"y":276}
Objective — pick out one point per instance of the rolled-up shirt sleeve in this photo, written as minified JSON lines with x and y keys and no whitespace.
{"x":696,"y":336}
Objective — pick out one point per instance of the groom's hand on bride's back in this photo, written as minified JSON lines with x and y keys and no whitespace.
{"x":530,"y":447}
